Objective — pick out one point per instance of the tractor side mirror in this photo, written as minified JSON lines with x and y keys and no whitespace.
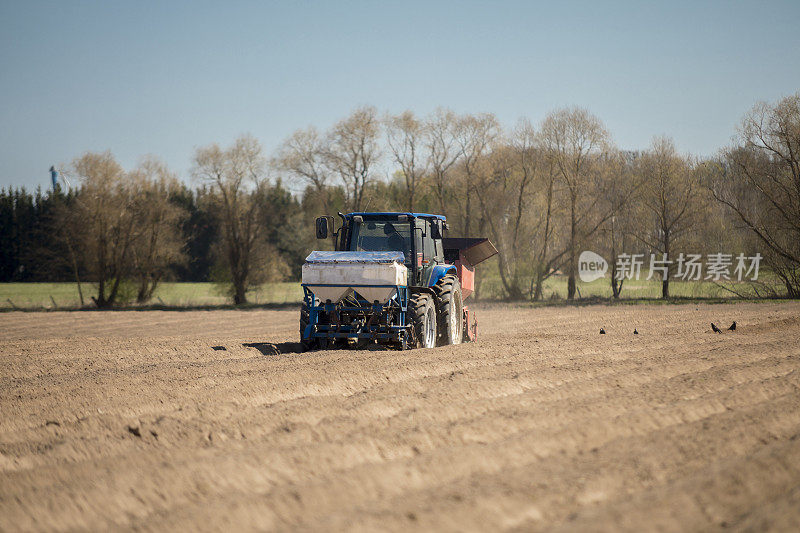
{"x":322,"y":227}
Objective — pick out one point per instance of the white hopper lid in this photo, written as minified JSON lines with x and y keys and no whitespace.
{"x":355,"y":257}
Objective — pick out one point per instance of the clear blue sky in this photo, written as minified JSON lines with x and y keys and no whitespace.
{"x":165,"y":77}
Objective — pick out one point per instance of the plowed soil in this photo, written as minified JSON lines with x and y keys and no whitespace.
{"x":212,"y":420}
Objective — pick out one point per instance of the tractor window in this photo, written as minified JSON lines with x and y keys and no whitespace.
{"x":439,"y":252}
{"x":427,"y":243}
{"x":374,"y":236}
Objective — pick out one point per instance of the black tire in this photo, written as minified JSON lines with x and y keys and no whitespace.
{"x":422,"y":316}
{"x":305,"y":318}
{"x":451,"y":310}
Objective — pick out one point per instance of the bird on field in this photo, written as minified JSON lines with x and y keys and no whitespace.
{"x":733,"y":326}
{"x":635,"y":332}
{"x":715,"y":329}
{"x":602,"y":331}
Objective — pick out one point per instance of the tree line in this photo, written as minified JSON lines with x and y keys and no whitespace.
{"x":542,"y":192}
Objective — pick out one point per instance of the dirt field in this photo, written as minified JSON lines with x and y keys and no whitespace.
{"x":132,"y":420}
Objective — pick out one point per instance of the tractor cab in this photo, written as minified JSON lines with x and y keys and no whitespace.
{"x":418,"y":236}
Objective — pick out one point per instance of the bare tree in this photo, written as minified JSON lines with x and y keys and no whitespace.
{"x":620,"y":194}
{"x":102,"y":224}
{"x":160,"y":242}
{"x":507,"y":199}
{"x":405,"y":136}
{"x":545,"y":260}
{"x":302,"y":156}
{"x":475,"y":135}
{"x":760,"y":182}
{"x":538,"y":181}
{"x":669,"y":198}
{"x":353,"y":151}
{"x":443,"y":151}
{"x":574,"y":137}
{"x":238,"y":177}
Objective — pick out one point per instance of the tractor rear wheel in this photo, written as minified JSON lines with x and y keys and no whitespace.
{"x":422,"y":312}
{"x":451,"y":310}
{"x":305,"y":318}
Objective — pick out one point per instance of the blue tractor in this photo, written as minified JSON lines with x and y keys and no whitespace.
{"x":392,"y":279}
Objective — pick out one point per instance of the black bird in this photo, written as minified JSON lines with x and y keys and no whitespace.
{"x":733,"y":326}
{"x":715,"y":329}
{"x":602,"y":331}
{"x":635,"y":332}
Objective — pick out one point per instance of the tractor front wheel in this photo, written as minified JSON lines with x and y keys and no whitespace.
{"x":451,"y":310}
{"x":422,"y":309}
